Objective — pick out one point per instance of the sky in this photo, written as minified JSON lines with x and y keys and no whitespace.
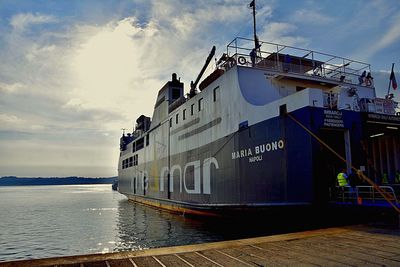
{"x":74,"y":72}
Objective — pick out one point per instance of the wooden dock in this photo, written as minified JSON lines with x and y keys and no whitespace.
{"x":342,"y":246}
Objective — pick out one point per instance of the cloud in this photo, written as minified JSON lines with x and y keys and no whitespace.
{"x":122,"y":65}
{"x":369,"y":30}
{"x":282,"y":33}
{"x":311,"y":16}
{"x":105,"y":65}
{"x":56,"y":158}
{"x":6,"y":118}
{"x":389,"y":37}
{"x":87,"y":81}
{"x":22,"y":21}
{"x":38,"y":51}
{"x":11,"y":88}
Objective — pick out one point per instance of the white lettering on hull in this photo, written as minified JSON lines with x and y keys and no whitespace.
{"x":193,"y":169}
{"x":207,"y":174}
{"x":258,"y":151}
{"x":255,"y":159}
{"x":164,"y":175}
{"x":196,"y":177}
{"x":171,"y":178}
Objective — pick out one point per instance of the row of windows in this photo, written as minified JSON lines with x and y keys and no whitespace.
{"x":192,"y":107}
{"x":139,"y":144}
{"x":131,"y":161}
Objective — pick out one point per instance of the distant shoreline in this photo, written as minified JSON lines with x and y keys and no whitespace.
{"x":19,"y":181}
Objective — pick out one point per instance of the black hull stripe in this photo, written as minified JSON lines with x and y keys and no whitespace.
{"x":200,"y":129}
{"x":186,"y":125}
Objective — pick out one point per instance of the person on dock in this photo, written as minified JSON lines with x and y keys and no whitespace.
{"x":342,"y":178}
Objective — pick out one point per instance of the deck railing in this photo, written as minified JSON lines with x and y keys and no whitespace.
{"x":373,"y":105}
{"x":294,"y":60}
{"x":379,"y":105}
{"x":364,"y":194}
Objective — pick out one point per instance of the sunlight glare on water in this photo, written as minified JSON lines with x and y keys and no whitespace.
{"x":48,"y":221}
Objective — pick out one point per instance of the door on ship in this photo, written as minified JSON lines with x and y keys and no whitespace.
{"x":328,"y":165}
{"x":383,"y":157}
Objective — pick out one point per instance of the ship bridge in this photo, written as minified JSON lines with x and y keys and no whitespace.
{"x":294,"y":63}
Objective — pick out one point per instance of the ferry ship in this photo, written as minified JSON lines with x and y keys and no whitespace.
{"x":230,"y":145}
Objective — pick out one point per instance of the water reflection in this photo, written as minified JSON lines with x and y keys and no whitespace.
{"x":48,"y":221}
{"x":141,"y":227}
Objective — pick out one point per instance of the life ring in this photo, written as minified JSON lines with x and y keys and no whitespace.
{"x":242,"y":60}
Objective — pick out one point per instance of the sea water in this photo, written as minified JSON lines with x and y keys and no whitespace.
{"x":50,"y":221}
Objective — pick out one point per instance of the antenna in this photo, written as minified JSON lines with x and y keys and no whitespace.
{"x":123,"y":130}
{"x":256,"y":43}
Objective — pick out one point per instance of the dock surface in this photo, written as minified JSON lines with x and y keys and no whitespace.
{"x":341,"y":246}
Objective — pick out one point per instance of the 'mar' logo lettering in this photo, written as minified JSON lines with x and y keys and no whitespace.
{"x":192,"y":168}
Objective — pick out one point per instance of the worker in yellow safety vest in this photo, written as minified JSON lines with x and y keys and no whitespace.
{"x":342,"y":178}
{"x":385,"y":178}
{"x":397,"y":177}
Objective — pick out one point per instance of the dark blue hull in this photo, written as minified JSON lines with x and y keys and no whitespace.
{"x":271,"y":163}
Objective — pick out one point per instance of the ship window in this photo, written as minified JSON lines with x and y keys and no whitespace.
{"x":299,"y":88}
{"x":184,"y":114}
{"x":147,"y":140}
{"x":200,"y":104}
{"x":135,"y":160}
{"x":176,"y":93}
{"x":177,"y":118}
{"x":192,"y":110}
{"x":216,"y":93}
{"x":130,"y":161}
{"x":133,"y":147}
{"x":140,"y":144}
{"x":170,"y":122}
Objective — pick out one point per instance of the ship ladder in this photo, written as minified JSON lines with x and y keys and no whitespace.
{"x":387,"y":196}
